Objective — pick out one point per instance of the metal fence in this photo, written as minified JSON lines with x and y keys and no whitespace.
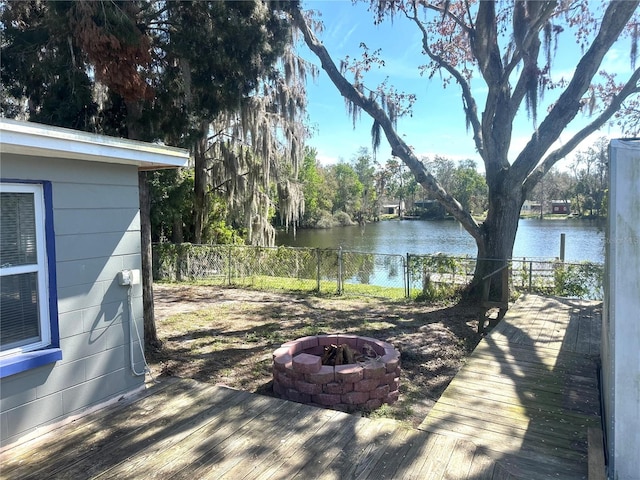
{"x":350,"y":272}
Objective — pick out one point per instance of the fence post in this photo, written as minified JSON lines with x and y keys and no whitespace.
{"x":563,"y":238}
{"x":339,"y":270}
{"x":530,"y":275}
{"x":318,"y":270}
{"x":407,"y":282}
{"x":229,"y":264}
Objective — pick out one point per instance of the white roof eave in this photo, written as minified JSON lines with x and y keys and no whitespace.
{"x":25,"y":138}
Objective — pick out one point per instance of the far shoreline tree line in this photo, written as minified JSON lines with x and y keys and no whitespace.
{"x":363,"y":190}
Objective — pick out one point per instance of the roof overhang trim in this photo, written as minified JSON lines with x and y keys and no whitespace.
{"x":26,"y":138}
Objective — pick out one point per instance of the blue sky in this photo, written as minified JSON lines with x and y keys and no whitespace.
{"x":437,"y":125}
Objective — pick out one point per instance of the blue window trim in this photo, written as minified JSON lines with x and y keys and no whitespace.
{"x":26,"y":361}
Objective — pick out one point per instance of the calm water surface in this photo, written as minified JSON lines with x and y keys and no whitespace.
{"x":535,"y":238}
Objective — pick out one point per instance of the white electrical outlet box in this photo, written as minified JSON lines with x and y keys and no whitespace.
{"x":135,"y":277}
{"x":124,"y":277}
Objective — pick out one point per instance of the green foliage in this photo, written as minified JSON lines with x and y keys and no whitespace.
{"x":365,"y":168}
{"x":114,"y":68}
{"x":590,"y":172}
{"x":342,"y":218}
{"x":462,"y":181}
{"x":397,"y":182}
{"x":348,"y":194}
{"x":581,"y":280}
{"x":40,"y":65}
{"x":317,"y":196}
{"x":437,"y":276}
{"x":172,"y":208}
{"x":469,"y":187}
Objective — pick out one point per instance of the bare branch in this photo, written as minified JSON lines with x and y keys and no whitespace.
{"x":566,"y":108}
{"x":398,"y":147}
{"x":447,"y":12}
{"x":630,"y":88}
{"x":469,"y":102}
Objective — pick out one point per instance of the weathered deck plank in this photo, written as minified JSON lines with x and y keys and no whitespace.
{"x":520,"y":408}
{"x":529,"y":392}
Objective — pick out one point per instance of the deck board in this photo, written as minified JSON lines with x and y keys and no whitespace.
{"x":520,"y":408}
{"x":529,"y":392}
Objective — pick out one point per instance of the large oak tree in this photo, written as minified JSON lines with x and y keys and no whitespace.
{"x":509,"y":46}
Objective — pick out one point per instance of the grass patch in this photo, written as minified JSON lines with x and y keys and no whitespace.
{"x":228,"y":335}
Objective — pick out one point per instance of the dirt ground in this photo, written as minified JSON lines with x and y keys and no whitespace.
{"x":227,"y":335}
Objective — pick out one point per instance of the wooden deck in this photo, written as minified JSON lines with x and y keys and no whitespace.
{"x":529,"y":392}
{"x":521,"y":404}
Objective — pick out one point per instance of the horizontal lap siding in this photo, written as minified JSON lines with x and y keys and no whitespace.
{"x":97,"y":233}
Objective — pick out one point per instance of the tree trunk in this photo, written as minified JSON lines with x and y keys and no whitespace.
{"x":134,"y":113}
{"x":150,"y":334}
{"x":200,"y":183}
{"x":495,"y":247}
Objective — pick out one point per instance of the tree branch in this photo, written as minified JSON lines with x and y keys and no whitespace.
{"x":469,"y":104}
{"x":566,"y":108}
{"x":446,"y":12}
{"x":629,"y":89}
{"x":398,"y":147}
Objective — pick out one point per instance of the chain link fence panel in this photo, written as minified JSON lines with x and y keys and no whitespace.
{"x":349,"y":272}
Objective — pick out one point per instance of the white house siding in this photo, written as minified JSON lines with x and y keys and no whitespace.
{"x":97,"y":234}
{"x":621,"y":328}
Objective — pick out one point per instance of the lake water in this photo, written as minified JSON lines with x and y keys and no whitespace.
{"x":535,"y":238}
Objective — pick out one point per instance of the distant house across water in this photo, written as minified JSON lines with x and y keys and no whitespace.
{"x":559,"y":207}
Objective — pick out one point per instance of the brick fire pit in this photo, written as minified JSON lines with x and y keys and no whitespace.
{"x":298,"y":373}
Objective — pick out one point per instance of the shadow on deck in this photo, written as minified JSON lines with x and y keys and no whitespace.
{"x":529,"y":392}
{"x":519,"y":408}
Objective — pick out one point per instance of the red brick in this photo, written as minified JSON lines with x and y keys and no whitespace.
{"x":308,"y":342}
{"x":366,"y":385}
{"x":315,"y":351}
{"x":305,"y":363}
{"x":294,"y":346}
{"x":373,"y":403}
{"x":281,"y":362}
{"x":391,"y":364}
{"x":374,"y":370}
{"x":278,"y":389}
{"x":380,"y":392}
{"x":351,"y":340}
{"x":326,"y":399}
{"x":390,"y":351}
{"x":284,"y":380}
{"x":393,"y":396}
{"x":308,"y":388}
{"x":377,"y":345}
{"x":388,"y":356}
{"x":327,"y":340}
{"x":388,"y":378}
{"x":348,"y":373}
{"x":395,"y":384}
{"x":295,"y":375}
{"x":325,"y":375}
{"x":355,"y":398}
{"x":278,"y":352}
{"x":338,"y":388}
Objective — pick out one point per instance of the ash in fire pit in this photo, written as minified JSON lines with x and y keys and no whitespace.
{"x":343,"y":372}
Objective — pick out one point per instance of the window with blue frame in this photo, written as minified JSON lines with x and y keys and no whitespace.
{"x":28,"y":301}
